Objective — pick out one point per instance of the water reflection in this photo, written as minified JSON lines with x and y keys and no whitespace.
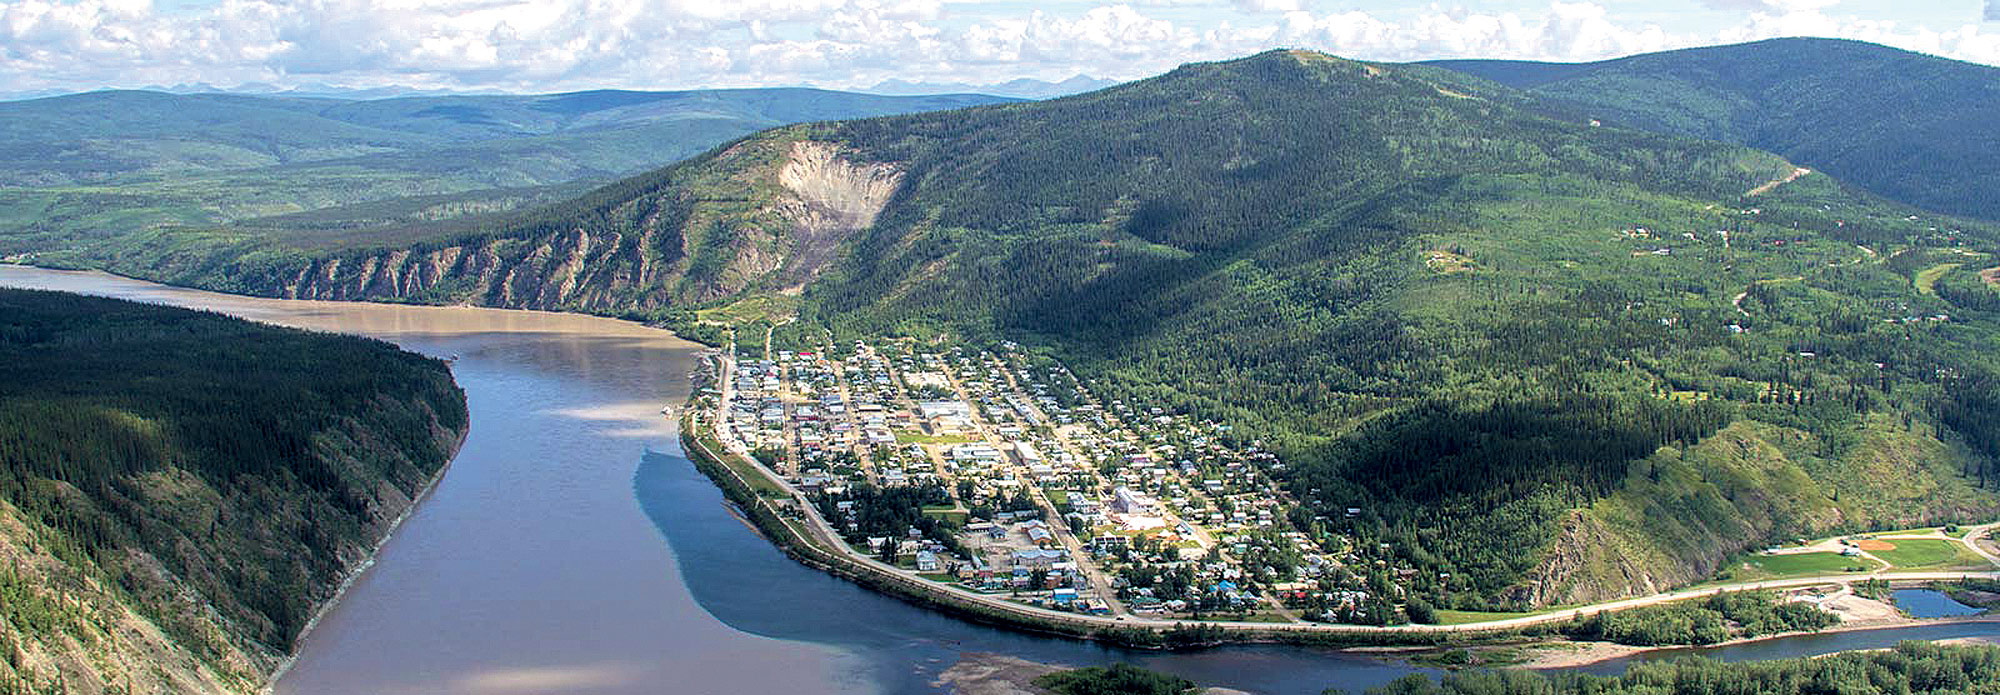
{"x":1931,"y":603}
{"x":538,"y":564}
{"x":531,"y":567}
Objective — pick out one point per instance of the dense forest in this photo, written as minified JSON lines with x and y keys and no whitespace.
{"x":1912,"y":127}
{"x":1514,"y":342}
{"x":1547,"y":359}
{"x":1718,"y":618}
{"x":1116,"y":679}
{"x":1910,"y":668}
{"x":215,"y":476}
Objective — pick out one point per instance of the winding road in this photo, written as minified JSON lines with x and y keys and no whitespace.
{"x":826,"y":539}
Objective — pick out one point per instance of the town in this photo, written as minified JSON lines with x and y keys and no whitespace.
{"x":998,"y":471}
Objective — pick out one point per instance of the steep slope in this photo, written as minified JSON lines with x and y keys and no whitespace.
{"x":763,"y":214}
{"x":1548,"y":361}
{"x":1915,"y":128}
{"x":180,"y":491}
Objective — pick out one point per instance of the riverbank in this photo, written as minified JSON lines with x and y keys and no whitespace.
{"x":355,"y":573}
{"x":788,"y":536}
{"x":981,"y":673}
{"x":1567,"y":655}
{"x":799,"y":543}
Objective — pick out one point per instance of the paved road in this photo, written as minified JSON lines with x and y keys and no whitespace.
{"x":829,"y":539}
{"x":1971,"y":540}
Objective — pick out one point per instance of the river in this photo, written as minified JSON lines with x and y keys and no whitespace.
{"x":571,"y":548}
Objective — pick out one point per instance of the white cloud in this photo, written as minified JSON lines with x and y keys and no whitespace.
{"x":565,"y":44}
{"x":1770,"y":5}
{"x":1268,"y":5}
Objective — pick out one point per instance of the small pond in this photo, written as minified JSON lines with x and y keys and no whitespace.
{"x":1931,"y":603}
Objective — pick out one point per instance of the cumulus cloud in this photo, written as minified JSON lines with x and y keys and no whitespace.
{"x":525,"y":45}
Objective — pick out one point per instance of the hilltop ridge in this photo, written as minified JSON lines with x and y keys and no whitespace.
{"x":1911,"y":127}
{"x":1551,"y":360}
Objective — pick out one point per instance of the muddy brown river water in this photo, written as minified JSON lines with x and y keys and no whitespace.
{"x":571,"y":548}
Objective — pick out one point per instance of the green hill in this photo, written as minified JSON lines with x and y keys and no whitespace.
{"x":97,"y":167}
{"x":180,"y":491}
{"x":1919,"y":129}
{"x":1551,"y":362}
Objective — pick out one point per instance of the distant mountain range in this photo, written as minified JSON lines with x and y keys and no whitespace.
{"x":86,"y":165}
{"x":1917,"y":128}
{"x":1023,"y":88}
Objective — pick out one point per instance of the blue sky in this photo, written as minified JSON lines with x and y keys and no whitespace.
{"x":550,"y":45}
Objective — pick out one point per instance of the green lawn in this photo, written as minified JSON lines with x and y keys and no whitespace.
{"x":1797,"y":565}
{"x":1451,"y":617}
{"x":907,"y":437}
{"x":751,"y":309}
{"x":1924,"y":553}
{"x":1926,"y":280}
{"x":750,"y":473}
{"x":947,"y":513}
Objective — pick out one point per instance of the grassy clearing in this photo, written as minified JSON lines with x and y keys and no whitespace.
{"x":950,"y":514}
{"x":1447,"y":263}
{"x":1757,"y":567}
{"x":749,"y":473}
{"x":773,"y":308}
{"x":1927,"y":279}
{"x":1923,"y":553}
{"x":906,"y":437}
{"x":1451,"y":617}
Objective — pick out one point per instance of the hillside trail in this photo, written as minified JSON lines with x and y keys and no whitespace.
{"x":1737,"y":301}
{"x":1767,"y":187}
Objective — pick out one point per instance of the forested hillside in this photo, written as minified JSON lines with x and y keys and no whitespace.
{"x":1514,"y":342}
{"x":1915,"y":128}
{"x":91,"y":171}
{"x":180,"y":491}
{"x":1549,"y":361}
{"x":1912,"y":667}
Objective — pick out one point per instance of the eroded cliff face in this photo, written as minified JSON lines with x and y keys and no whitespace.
{"x":830,"y":199}
{"x":675,"y":246}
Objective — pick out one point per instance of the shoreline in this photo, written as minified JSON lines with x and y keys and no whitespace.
{"x":1159,"y":634}
{"x":355,"y":573}
{"x":391,"y":301}
{"x":1139,"y":634}
{"x":1590,"y":653}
